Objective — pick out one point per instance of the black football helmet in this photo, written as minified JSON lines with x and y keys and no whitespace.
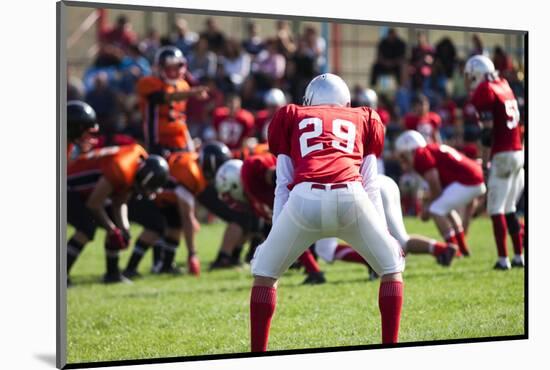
{"x":81,"y":117}
{"x":168,"y":56}
{"x":211,"y":157}
{"x":152,"y":175}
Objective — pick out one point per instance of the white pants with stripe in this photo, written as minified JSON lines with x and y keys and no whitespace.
{"x":311,"y":214}
{"x":506,"y":182}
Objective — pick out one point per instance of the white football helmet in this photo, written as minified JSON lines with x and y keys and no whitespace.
{"x":275,"y":98}
{"x":409,"y":141}
{"x":327,"y":89}
{"x":368,"y":98}
{"x":477,"y":68}
{"x":228,"y":180}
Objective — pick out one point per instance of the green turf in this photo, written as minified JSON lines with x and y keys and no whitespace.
{"x":161,"y":316}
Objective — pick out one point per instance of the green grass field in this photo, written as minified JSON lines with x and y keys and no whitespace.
{"x":163,"y":316}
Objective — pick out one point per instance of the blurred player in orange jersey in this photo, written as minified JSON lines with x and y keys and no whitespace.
{"x":106,"y":175}
{"x":81,"y":127}
{"x":252,"y":182}
{"x":273,"y":100}
{"x":163,"y":103}
{"x":191,"y":179}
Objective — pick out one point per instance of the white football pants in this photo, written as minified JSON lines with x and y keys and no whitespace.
{"x":311,"y":214}
{"x":506,"y":182}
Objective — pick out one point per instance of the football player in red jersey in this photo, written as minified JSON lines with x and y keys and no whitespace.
{"x":326,"y":187}
{"x":454,"y":181}
{"x":499,"y":115}
{"x":273,"y":100}
{"x":232,"y":123}
{"x":423,"y":120}
{"x":252,"y":183}
{"x":108,"y":174}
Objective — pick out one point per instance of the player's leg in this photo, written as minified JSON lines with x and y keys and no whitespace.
{"x":171,"y":239}
{"x":364,"y":229}
{"x":456,"y":222}
{"x":145,"y":213}
{"x":82,"y":220}
{"x":287,"y":240}
{"x":500,"y":187}
{"x":515,"y":227}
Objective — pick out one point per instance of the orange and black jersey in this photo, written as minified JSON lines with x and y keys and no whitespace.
{"x":184,"y":171}
{"x":164,"y":122}
{"x":118,"y":164}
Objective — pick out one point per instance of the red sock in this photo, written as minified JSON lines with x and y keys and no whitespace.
{"x":346,"y":253}
{"x":439,"y":248}
{"x":499,"y":230}
{"x":309,"y":262}
{"x":390,"y":300}
{"x":461,"y":239}
{"x":517,"y":239}
{"x":262,"y":306}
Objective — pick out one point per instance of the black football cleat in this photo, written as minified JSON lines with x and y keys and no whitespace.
{"x":445,"y":258}
{"x":501,"y":267}
{"x":115,"y":278}
{"x":172,"y":270}
{"x":315,"y":278}
{"x":518,"y":264}
{"x":131,"y":274}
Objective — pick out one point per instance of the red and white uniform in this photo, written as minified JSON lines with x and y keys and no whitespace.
{"x":506,"y":180}
{"x":261,"y":124}
{"x":428,"y":124}
{"x":326,"y":187}
{"x":232,"y":130}
{"x":461,"y":177}
{"x":260,"y":194}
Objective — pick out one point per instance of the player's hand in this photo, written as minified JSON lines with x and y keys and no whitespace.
{"x":201,"y":92}
{"x":424,"y":215}
{"x":126,"y":235}
{"x":116,"y":240}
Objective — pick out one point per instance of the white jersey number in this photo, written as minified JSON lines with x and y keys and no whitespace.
{"x":338,"y":125}
{"x":451,"y":151}
{"x":512,"y":111}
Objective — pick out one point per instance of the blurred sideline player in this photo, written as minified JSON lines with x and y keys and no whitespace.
{"x":163,"y":102}
{"x":326,"y":187}
{"x":273,"y":100}
{"x":423,"y":120}
{"x":232,"y":123}
{"x":252,"y":183}
{"x":499,"y":115}
{"x":330,"y":250}
{"x":107,"y":177}
{"x":81,"y":128}
{"x":454,"y":181}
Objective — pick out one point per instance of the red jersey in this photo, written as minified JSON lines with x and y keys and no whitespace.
{"x":327,"y":144}
{"x":233,"y":130}
{"x":261,"y":194}
{"x":261,"y":124}
{"x":427,"y":124}
{"x":118,"y":164}
{"x":384,"y":116}
{"x":451,"y":165}
{"x":496,"y":99}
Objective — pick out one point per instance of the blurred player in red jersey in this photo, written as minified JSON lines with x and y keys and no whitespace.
{"x":423,"y":120}
{"x":326,"y":187}
{"x":81,"y":128}
{"x":454,"y":181}
{"x":163,"y":102}
{"x":232,"y":123}
{"x":273,"y":100}
{"x":108,"y":174}
{"x":252,"y":183}
{"x":330,"y":250}
{"x":499,"y":115}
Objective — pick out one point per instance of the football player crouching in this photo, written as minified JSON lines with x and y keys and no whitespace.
{"x":251,"y":183}
{"x":99,"y":184}
{"x":454,"y":182}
